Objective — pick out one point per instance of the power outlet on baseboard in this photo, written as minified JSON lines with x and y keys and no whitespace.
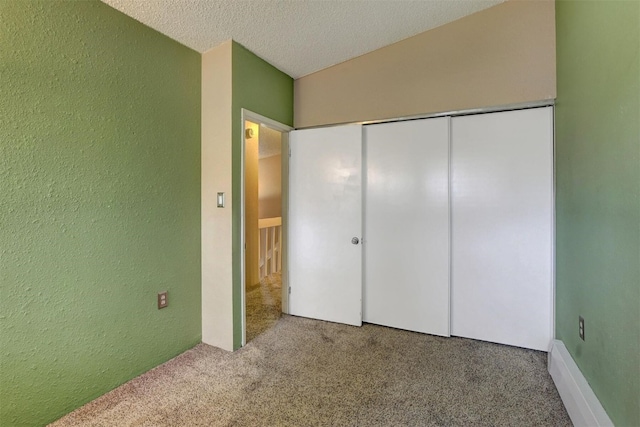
{"x":581,"y":327}
{"x":162,"y":300}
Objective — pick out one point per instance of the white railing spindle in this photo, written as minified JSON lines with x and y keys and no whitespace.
{"x":270,"y":248}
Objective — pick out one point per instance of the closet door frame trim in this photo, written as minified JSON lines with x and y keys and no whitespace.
{"x":471,"y":111}
{"x":450,"y":113}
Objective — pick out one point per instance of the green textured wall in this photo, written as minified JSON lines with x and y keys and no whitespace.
{"x":598,"y":197}
{"x":259,"y":87}
{"x":99,"y":204}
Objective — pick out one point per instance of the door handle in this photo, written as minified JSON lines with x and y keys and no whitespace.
{"x":355,"y":240}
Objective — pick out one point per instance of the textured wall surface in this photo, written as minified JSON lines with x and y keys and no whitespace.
{"x":99,"y":204}
{"x":598,"y":197}
{"x":501,"y":55}
{"x":217,"y":260}
{"x":263,"y":89}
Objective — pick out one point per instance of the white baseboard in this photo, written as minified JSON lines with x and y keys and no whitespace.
{"x":583,"y":406}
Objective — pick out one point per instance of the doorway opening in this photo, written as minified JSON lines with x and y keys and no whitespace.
{"x":265,"y":174}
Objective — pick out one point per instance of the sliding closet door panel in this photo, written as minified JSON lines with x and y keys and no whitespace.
{"x":502,"y":173}
{"x":407,"y":225}
{"x":325,"y":214}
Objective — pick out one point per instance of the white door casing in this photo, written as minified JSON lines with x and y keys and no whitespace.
{"x":284,"y":129}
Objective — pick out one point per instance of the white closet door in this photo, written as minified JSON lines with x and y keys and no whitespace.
{"x":407,"y":225}
{"x":325,"y":214}
{"x":502,"y":177}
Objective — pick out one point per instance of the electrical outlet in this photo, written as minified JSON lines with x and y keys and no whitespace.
{"x":162,"y":300}
{"x":581,"y":327}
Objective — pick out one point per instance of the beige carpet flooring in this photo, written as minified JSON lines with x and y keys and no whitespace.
{"x":302,"y":372}
{"x":263,"y":305}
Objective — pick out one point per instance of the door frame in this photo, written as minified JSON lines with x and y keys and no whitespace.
{"x":248,"y":115}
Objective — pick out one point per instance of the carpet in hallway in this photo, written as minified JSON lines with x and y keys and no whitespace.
{"x":263,"y":305}
{"x":304,"y":372}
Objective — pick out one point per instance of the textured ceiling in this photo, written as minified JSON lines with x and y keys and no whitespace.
{"x":298,"y":37}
